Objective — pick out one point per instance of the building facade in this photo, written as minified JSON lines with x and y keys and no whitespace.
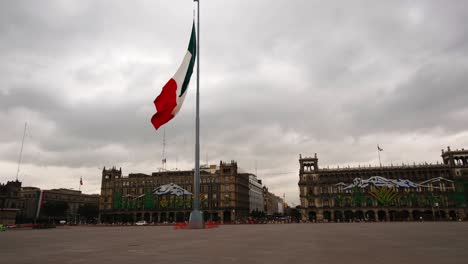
{"x":387,"y":193}
{"x":273,"y":204}
{"x":224,"y":195}
{"x":9,"y":202}
{"x":33,"y":200}
{"x":255,"y":194}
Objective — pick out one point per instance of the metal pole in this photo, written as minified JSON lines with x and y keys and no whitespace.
{"x":196,"y":217}
{"x":378,"y":152}
{"x":197,"y":121}
{"x":21,"y":151}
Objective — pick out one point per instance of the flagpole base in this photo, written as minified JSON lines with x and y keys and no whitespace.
{"x":196,"y":220}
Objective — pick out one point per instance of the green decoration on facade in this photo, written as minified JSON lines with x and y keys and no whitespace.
{"x":385,"y":196}
{"x":149,"y":201}
{"x":117,"y":200}
{"x":357,"y":196}
{"x":339,"y":200}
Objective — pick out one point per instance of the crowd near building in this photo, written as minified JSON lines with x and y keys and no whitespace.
{"x":226,"y":195}
{"x":403,"y":192}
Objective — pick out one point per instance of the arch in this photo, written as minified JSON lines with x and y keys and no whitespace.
{"x":171,"y":217}
{"x":382,"y":215}
{"x":163,"y":217}
{"x":138,"y":216}
{"x":428,"y":215}
{"x":370,"y":215}
{"x":453,"y":215}
{"x":440,"y":215}
{"x":312,"y":216}
{"x":338,"y":216}
{"x":348,"y":215}
{"x":394,"y":215}
{"x":417,"y":215}
{"x":214,"y":216}
{"x":187,"y":216}
{"x":131,"y":218}
{"x":155,"y":218}
{"x":327,"y":216}
{"x":179,"y":217}
{"x":206,"y":216}
{"x":146,"y":217}
{"x":227,"y":216}
{"x":124,"y":218}
{"x":405,"y":215}
{"x":359,"y":215}
{"x":118,"y":218}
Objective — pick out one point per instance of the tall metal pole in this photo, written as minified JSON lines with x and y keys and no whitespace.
{"x":197,"y":121}
{"x":21,"y":151}
{"x":196,"y":217}
{"x":378,"y":151}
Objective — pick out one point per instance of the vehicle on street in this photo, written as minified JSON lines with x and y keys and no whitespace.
{"x":141,"y":223}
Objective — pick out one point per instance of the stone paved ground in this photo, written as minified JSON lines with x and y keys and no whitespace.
{"x":288,"y":243}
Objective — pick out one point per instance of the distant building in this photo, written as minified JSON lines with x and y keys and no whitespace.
{"x":255,"y":194}
{"x":272,"y":203}
{"x":224,"y":195}
{"x":34,"y":198}
{"x":9,"y":202}
{"x":387,"y":193}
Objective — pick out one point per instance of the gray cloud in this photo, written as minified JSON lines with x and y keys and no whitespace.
{"x":277,"y":79}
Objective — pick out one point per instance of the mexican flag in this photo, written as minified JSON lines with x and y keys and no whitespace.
{"x":169,"y":102}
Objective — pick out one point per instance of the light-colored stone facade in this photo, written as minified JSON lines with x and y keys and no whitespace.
{"x":386,"y":193}
{"x":255,"y":194}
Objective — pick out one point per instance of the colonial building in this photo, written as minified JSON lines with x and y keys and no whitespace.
{"x":9,"y":202}
{"x":34,"y":198}
{"x":387,"y":193}
{"x":224,"y":195}
{"x":255,"y":194}
{"x":272,"y":203}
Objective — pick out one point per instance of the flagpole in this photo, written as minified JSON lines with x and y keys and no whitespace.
{"x":196,"y":217}
{"x":378,"y":152}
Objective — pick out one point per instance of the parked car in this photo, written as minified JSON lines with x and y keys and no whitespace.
{"x":141,"y":223}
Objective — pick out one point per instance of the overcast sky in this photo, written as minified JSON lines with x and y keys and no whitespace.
{"x":278,"y":78}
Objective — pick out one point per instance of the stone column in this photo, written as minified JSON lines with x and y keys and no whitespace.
{"x":319,"y":216}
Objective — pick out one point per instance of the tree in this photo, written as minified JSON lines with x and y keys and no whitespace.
{"x":89,"y":211}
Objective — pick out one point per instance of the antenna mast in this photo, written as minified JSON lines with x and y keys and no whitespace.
{"x":21,"y":151}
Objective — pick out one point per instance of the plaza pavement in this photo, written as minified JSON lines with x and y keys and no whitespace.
{"x":428,"y":242}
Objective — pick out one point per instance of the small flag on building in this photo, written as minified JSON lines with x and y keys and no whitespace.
{"x":81,"y":181}
{"x":379,"y":149}
{"x":169,"y":102}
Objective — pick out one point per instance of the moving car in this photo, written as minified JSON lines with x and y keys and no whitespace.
{"x":141,"y":223}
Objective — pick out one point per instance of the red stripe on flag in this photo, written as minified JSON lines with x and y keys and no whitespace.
{"x":165,"y":104}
